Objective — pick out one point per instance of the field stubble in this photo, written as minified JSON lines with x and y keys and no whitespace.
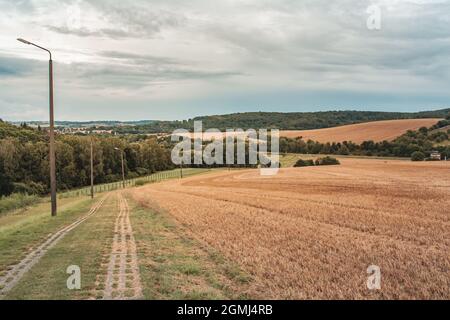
{"x":312,"y":232}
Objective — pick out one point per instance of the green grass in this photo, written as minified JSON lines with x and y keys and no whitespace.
{"x":288,"y":160}
{"x":85,"y":247}
{"x":22,"y":231}
{"x":17,"y":201}
{"x":174,"y":266}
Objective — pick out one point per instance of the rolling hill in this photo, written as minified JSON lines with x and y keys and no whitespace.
{"x":376,"y":131}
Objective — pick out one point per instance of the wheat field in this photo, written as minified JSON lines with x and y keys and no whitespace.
{"x":311,"y":233}
{"x":358,"y":133}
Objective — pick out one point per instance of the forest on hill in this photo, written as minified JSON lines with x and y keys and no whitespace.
{"x":274,"y":120}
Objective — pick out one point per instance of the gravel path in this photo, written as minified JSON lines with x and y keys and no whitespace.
{"x":16,"y":272}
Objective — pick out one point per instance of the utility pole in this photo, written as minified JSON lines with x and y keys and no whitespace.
{"x":123,"y":165}
{"x":92,"y":168}
{"x":52,"y":157}
{"x":181,"y":170}
{"x":123,"y":170}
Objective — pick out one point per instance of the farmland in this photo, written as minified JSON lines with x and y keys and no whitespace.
{"x":312,"y":232}
{"x":162,"y":262}
{"x":358,"y":133}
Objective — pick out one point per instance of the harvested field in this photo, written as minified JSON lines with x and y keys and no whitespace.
{"x":358,"y":133}
{"x":313,"y":232}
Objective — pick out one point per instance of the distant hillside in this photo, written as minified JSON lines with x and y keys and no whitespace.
{"x":86,"y":124}
{"x":282,"y":121}
{"x":254,"y":120}
{"x":23,"y":132}
{"x":310,"y":120}
{"x":387,"y":130}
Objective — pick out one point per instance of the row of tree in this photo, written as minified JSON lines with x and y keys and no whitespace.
{"x":24,"y":165}
{"x":273,"y":120}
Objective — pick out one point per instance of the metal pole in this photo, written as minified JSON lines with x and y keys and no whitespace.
{"x":92,"y":169}
{"x":52,"y":158}
{"x":52,"y":144}
{"x":181,"y":170}
{"x":123,"y":170}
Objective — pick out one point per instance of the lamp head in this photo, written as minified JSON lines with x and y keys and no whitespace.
{"x":23,"y":41}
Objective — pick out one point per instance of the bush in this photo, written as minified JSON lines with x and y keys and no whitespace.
{"x":142,"y":171}
{"x":132,"y":175}
{"x":304,"y":163}
{"x":140,"y":183}
{"x":17,"y":201}
{"x":418,"y":156}
{"x":327,"y":161}
{"x":30,"y":188}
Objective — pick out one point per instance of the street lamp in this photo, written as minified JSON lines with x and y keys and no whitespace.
{"x":123,"y":166}
{"x":52,"y":129}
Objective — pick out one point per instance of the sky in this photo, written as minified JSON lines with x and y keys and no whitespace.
{"x":177,"y":59}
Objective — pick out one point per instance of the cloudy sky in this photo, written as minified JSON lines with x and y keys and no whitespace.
{"x":175,"y":59}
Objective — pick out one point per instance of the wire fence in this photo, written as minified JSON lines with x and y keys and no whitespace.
{"x":154,"y":178}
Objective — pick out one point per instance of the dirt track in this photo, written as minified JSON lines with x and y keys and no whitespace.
{"x":16,"y":272}
{"x":123,"y":278}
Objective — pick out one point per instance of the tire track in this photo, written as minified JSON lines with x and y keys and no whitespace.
{"x":16,"y":272}
{"x":123,"y":281}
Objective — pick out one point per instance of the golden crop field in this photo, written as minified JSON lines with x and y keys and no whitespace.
{"x":358,"y":133}
{"x":313,"y":232}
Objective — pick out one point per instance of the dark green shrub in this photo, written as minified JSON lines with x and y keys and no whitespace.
{"x":140,"y":183}
{"x":17,"y":201}
{"x":327,"y":161}
{"x":418,"y":156}
{"x":30,"y":188}
{"x":142,"y":171}
{"x":304,"y":163}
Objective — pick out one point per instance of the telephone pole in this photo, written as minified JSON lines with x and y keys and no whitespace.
{"x":92,"y":168}
{"x":123,"y":170}
{"x":123,"y":166}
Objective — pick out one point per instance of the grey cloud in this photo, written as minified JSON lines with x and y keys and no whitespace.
{"x":142,"y":75}
{"x":11,"y":67}
{"x":139,"y":58}
{"x":128,"y":20}
{"x":84,"y":32}
{"x":254,"y":46}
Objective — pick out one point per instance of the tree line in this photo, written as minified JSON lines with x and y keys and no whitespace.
{"x":274,"y":120}
{"x":24,"y":164}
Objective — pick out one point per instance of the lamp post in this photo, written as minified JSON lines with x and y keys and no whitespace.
{"x":52,"y":130}
{"x":123,"y":166}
